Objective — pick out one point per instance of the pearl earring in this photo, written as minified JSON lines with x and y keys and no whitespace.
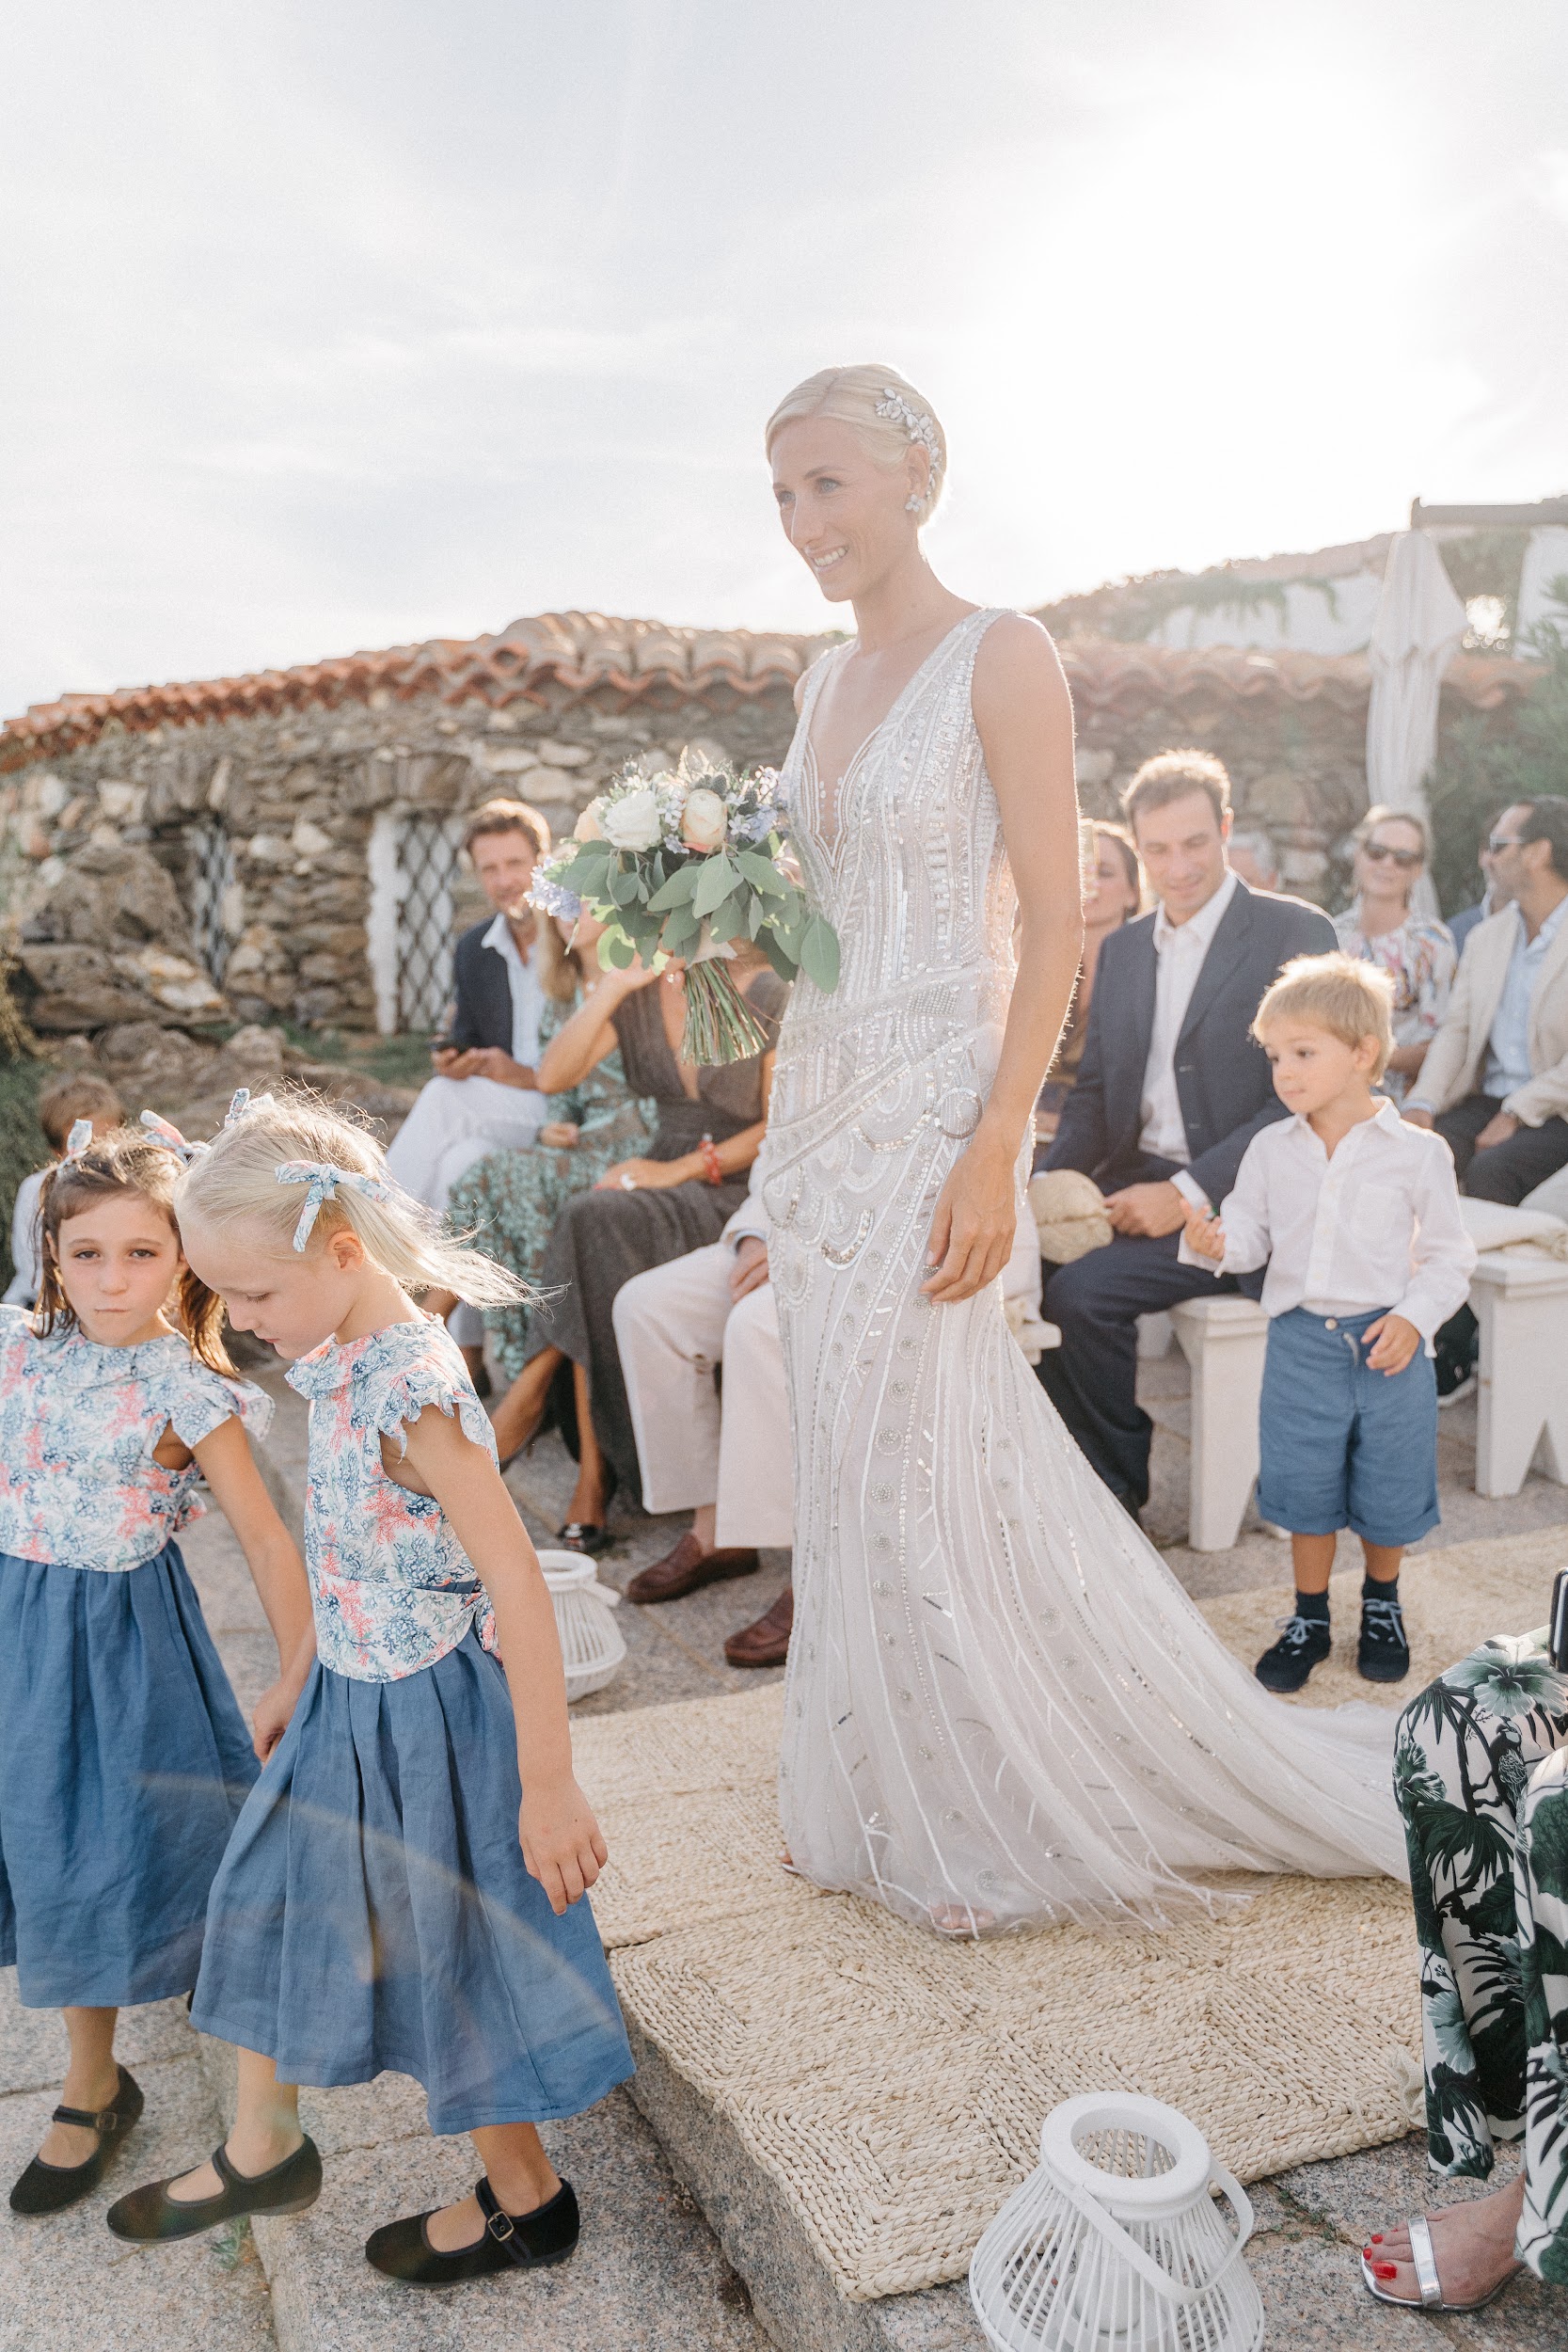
{"x":912,"y":505}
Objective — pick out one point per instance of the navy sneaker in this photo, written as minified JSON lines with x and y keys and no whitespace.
{"x":1305,"y":1643}
{"x":1384,"y":1653}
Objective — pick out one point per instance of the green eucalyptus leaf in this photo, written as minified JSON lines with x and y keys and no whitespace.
{"x":762,"y":874}
{"x":616,"y":950}
{"x":714,"y":884}
{"x":677,"y":890}
{"x":819,"y":954}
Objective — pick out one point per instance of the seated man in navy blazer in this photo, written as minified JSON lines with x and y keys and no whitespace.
{"x":483,"y":1097}
{"x":1170,"y":1092}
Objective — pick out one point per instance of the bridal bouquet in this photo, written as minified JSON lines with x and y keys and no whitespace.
{"x":681,"y":865}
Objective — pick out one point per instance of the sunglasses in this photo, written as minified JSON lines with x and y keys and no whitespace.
{"x":1382,"y":851}
{"x":1502,"y":841}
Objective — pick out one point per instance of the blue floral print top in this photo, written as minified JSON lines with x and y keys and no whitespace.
{"x":78,"y":1422}
{"x":392,"y":1588}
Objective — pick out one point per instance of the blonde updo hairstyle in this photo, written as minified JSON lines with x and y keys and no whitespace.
{"x":236,"y":1182}
{"x":858,"y":397}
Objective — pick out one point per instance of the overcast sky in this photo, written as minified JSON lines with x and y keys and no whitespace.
{"x":331,"y":324}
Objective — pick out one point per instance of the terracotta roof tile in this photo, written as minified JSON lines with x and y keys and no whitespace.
{"x":580,"y":655}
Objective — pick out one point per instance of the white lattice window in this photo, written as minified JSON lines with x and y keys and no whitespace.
{"x":213,"y":896}
{"x":413,"y":871}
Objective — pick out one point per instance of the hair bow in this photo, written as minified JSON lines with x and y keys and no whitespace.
{"x":241,"y":1102}
{"x":78,"y":1139}
{"x":162,"y":1131}
{"x":323,"y":1180}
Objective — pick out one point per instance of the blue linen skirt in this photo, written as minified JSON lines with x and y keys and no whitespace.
{"x":374,"y":1911}
{"x":124,"y":1762}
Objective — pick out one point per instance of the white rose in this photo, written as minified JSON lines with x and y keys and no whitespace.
{"x":587,"y":827}
{"x":632,"y":823}
{"x":704,"y":819}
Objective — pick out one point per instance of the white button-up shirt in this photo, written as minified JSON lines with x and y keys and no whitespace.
{"x":528,"y":996}
{"x":1508,"y":1064}
{"x":1180,"y":949}
{"x":1376,"y":1225}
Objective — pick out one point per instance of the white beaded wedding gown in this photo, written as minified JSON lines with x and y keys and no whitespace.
{"x":1001,"y":1708}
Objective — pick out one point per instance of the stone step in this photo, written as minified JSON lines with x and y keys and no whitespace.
{"x":64,"y":2281}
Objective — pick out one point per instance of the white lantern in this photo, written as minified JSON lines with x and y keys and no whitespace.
{"x":1114,"y":2243}
{"x":592,"y":1644}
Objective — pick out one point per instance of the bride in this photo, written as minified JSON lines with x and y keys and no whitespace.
{"x":1001,"y":1708}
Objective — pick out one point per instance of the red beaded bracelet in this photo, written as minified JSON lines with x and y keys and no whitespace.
{"x":712,"y":1172}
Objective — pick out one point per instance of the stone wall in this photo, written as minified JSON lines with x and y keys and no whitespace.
{"x":105,"y":841}
{"x":110,"y":829}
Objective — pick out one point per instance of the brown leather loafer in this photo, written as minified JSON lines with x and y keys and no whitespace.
{"x":767,"y":1643}
{"x":686,"y":1570}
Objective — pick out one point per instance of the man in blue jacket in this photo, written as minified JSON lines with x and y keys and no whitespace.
{"x":484,"y":1097}
{"x":1171,"y":1089}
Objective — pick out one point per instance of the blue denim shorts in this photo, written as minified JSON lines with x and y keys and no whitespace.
{"x":1341,"y":1445}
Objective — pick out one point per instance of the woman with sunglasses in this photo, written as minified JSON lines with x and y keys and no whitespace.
{"x":1392,"y":851}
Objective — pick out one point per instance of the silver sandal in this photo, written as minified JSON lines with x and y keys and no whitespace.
{"x":1424,"y":2263}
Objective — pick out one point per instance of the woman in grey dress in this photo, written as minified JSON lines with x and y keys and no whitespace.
{"x":641,"y":1214}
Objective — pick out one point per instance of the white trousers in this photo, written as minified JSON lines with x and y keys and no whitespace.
{"x":672,"y":1325}
{"x":455,"y":1122}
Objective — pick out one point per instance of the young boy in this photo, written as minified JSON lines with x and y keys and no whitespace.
{"x":73,"y":1095}
{"x":1357,"y":1216}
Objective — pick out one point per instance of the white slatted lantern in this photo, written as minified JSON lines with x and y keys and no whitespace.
{"x":1114,"y":2243}
{"x":592,"y":1644}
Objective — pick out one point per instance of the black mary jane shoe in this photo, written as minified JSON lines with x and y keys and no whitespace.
{"x":49,"y":2187}
{"x":512,"y":2241}
{"x":590,"y":1537}
{"x":150,"y":2215}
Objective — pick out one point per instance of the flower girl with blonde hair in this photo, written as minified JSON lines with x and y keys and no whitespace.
{"x":404,"y":1887}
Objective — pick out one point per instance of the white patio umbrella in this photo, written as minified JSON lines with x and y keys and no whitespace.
{"x":1419,"y":623}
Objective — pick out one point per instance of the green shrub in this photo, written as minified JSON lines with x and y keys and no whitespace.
{"x":1480,"y":769}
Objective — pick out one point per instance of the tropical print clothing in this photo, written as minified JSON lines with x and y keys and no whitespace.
{"x":1480,"y":1771}
{"x":391,"y":1588}
{"x":78,"y":1422}
{"x":510,"y":1199}
{"x":1420,"y":959}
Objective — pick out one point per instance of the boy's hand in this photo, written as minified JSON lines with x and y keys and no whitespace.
{"x":563,"y":1844}
{"x":1205,"y":1233}
{"x":559,"y":1134}
{"x":1395,"y":1342}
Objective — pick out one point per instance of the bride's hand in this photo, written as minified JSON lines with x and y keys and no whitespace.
{"x":972,"y":1232}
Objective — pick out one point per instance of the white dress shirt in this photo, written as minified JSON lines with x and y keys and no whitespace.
{"x":1508,"y":1063}
{"x":1180,"y":949}
{"x":1375,"y":1226}
{"x":528,"y":996}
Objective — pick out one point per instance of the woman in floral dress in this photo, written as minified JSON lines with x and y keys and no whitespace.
{"x":510,"y":1200}
{"x":1392,"y":852}
{"x":1480,"y":1771}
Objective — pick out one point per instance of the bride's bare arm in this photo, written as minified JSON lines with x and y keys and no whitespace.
{"x":1024,"y":716}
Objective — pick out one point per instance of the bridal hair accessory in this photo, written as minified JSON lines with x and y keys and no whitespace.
{"x":162,"y":1131}
{"x":920,"y":426}
{"x":324,"y":1180}
{"x":1114,"y":2240}
{"x":78,"y":1139}
{"x":240,"y":1101}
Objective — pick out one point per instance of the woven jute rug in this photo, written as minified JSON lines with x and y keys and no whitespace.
{"x":892,"y":2085}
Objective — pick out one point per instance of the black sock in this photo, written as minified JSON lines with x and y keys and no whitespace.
{"x":1379,"y":1588}
{"x":1312,"y":1605}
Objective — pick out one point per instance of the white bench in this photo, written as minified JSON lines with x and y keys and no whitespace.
{"x":1520,"y":1299}
{"x":1223,"y":1339}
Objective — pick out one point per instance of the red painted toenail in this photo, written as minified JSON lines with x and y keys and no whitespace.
{"x":1376,"y":2238}
{"x":1385,"y":2270}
